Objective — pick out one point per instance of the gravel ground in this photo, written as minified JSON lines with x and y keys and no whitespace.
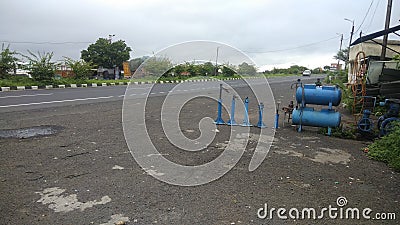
{"x":85,"y":174}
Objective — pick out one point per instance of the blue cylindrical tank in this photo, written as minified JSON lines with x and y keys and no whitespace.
{"x":319,"y":95}
{"x":308,"y":117}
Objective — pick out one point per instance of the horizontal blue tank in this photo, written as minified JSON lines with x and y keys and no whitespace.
{"x":319,"y":95}
{"x":309,"y":117}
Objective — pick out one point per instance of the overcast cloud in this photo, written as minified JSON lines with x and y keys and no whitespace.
{"x":271,"y":32}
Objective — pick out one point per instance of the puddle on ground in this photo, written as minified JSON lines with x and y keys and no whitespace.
{"x":28,"y":132}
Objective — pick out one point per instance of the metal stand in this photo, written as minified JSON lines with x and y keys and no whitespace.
{"x":260,"y":123}
{"x":277,"y":117}
{"x":246,"y":122}
{"x":219,"y":120}
{"x":231,"y":121}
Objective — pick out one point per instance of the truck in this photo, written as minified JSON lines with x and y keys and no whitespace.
{"x":108,"y":74}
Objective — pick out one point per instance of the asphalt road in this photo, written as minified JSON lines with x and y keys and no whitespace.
{"x":85,"y":174}
{"x":34,"y":99}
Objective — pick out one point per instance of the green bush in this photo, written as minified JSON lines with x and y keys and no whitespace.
{"x":82,"y":69}
{"x":7,"y":61}
{"x":345,"y":132}
{"x":387,"y":149}
{"x":41,"y":67}
{"x":19,"y":81}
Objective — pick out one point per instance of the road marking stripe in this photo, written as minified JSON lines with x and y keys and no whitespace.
{"x":18,"y":96}
{"x":57,"y":101}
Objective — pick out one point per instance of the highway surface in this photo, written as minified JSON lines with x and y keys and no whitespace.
{"x":33,"y":99}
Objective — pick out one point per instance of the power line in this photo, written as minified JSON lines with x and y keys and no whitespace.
{"x":288,"y":49}
{"x":46,"y":42}
{"x":373,"y":16}
{"x":366,"y":14}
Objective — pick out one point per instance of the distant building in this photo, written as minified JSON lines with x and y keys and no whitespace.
{"x":335,"y":67}
{"x":372,"y":52}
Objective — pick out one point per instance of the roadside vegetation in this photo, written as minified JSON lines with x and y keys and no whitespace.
{"x":387,"y":148}
{"x":40,"y":69}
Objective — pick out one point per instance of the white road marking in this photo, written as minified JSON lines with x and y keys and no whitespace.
{"x":132,"y":94}
{"x":134,"y":88}
{"x":18,"y":96}
{"x":57,"y":101}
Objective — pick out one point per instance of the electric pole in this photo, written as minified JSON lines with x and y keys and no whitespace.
{"x":387,"y":23}
{"x":352,"y":30}
{"x":216,"y":63}
{"x":340,"y":49}
{"x":110,"y":36}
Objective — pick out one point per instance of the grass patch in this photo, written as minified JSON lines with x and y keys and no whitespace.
{"x":387,"y":149}
{"x":13,"y":81}
{"x":346,"y":132}
{"x":19,"y":81}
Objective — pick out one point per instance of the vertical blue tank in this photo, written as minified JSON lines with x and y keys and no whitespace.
{"x":319,"y":95}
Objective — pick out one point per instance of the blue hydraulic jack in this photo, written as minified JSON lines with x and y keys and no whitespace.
{"x":219,"y":120}
{"x":260,"y":123}
{"x":277,"y":117}
{"x":246,"y":122}
{"x":231,"y":121}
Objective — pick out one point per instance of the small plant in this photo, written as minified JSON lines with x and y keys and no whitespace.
{"x":346,"y":132}
{"x":7,"y":61}
{"x":81,"y":69}
{"x":41,"y":67}
{"x":387,"y":149}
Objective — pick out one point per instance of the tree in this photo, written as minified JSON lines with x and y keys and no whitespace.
{"x":296,"y":69}
{"x":156,"y":66}
{"x":106,"y":53}
{"x":207,"y":69}
{"x":342,"y":55}
{"x":40,"y":66}
{"x":246,"y":69}
{"x":228,"y":72}
{"x":7,"y":61}
{"x":136,"y":62}
{"x":81,"y":68}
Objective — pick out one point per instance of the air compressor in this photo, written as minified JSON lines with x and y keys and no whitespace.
{"x":317,"y":95}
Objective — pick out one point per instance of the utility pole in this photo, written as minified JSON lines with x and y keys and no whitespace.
{"x":340,"y":49}
{"x":216,"y":63}
{"x":352,"y":30}
{"x":387,"y":23}
{"x":110,"y":36}
{"x":351,"y":38}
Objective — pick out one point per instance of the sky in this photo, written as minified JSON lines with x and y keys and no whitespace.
{"x":271,"y":32}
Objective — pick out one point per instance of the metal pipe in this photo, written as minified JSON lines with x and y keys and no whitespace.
{"x":246,"y":122}
{"x":231,"y":121}
{"x":260,"y":123}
